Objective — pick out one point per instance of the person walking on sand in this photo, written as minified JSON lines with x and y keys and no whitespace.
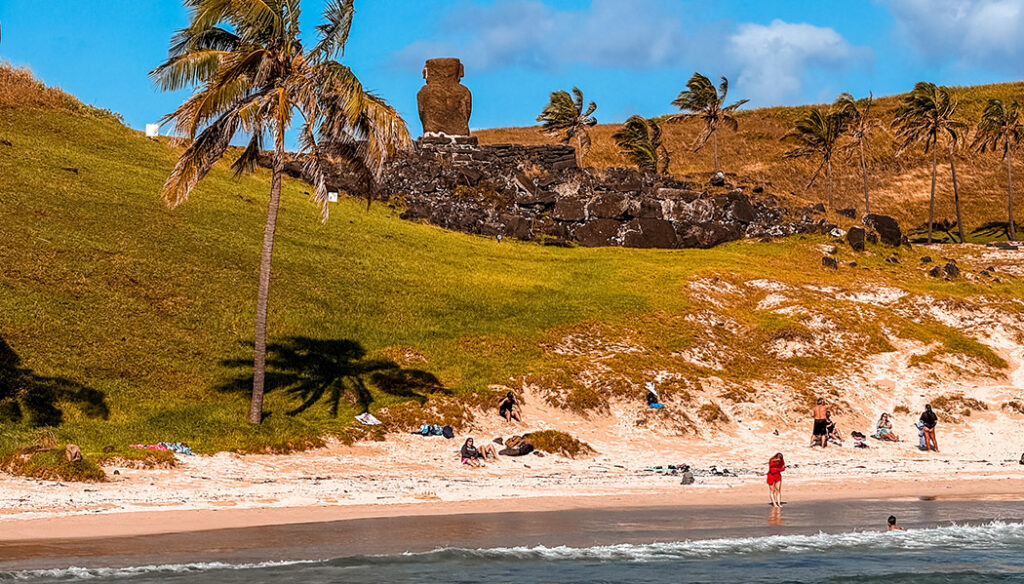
{"x":775,"y":467}
{"x":821,"y":412}
{"x":892,"y":524}
{"x":929,"y":420}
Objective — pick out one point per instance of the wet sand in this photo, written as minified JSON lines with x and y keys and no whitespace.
{"x":570,"y":527}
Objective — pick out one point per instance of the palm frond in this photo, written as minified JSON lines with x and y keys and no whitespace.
{"x":334,"y":32}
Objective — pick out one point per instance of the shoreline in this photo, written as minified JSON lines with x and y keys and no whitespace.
{"x":747,"y":493}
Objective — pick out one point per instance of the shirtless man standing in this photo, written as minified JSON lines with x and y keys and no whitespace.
{"x":821,"y":423}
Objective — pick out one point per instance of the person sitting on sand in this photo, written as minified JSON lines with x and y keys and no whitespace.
{"x":474,"y":457}
{"x":833,"y":432}
{"x":775,"y":467}
{"x":892,"y":524}
{"x":508,"y":408}
{"x":929,"y":420}
{"x":820,"y":412}
{"x":652,"y":396}
{"x":884,"y":429}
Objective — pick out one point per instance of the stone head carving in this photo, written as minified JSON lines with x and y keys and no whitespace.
{"x":445,"y":104}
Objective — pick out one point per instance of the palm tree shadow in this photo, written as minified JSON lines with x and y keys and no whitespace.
{"x":36,"y":399}
{"x":311,"y":371}
{"x":994,"y":230}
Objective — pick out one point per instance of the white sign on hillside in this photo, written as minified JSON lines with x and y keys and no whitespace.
{"x":152,"y":130}
{"x":332,"y":197}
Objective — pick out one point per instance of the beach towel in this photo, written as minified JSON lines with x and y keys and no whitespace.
{"x":657,"y":406}
{"x":368,"y":419}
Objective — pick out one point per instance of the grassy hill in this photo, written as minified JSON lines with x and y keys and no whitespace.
{"x":899,"y":184}
{"x":131,"y":322}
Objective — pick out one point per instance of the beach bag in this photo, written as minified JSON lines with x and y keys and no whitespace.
{"x":447,"y":432}
{"x":437,"y":430}
{"x":425,"y":429}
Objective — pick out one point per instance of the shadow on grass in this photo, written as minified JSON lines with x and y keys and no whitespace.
{"x":314,"y":370}
{"x":36,"y":400}
{"x":945,"y":232}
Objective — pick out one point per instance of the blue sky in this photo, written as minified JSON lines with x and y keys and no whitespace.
{"x":630,"y":56}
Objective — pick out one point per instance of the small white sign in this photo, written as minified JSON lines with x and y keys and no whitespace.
{"x":152,"y":130}
{"x":332,"y":196}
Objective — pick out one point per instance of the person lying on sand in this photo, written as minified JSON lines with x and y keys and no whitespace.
{"x":892,"y":524}
{"x":820,"y":412}
{"x":508,"y":408}
{"x":884,"y":429}
{"x":477,"y":457}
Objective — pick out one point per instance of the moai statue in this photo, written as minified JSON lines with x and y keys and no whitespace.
{"x":445,"y":104}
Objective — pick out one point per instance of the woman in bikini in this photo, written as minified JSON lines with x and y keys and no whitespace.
{"x":775,"y":467}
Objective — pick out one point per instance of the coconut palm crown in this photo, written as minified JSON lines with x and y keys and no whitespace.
{"x":703,"y":101}
{"x":926,"y":116}
{"x":1001,"y":130}
{"x":817,"y":133}
{"x":251,"y":74}
{"x":564,"y":114}
{"x":860,"y":125}
{"x":640,"y":141}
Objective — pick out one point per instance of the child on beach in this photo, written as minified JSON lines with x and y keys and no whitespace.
{"x":775,"y":467}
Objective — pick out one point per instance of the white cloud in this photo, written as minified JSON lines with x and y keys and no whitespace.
{"x":774,"y":60}
{"x":974,"y":32}
{"x":639,"y":34}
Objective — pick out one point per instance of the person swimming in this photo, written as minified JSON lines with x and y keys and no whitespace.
{"x":892,"y":524}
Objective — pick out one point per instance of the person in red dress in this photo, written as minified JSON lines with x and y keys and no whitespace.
{"x":775,"y":467}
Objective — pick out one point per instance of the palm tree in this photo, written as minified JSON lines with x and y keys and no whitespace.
{"x":926,"y":115}
{"x":251,"y":73}
{"x":564,"y":113}
{"x":640,"y":141}
{"x":1001,"y":129}
{"x":817,"y":133}
{"x":859,"y":127}
{"x":701,"y":100}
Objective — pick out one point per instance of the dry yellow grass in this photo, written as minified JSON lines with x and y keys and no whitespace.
{"x":899,"y":184}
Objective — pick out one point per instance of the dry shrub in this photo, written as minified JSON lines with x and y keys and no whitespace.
{"x":18,"y":88}
{"x":558,"y":442}
{"x":286,"y":447}
{"x":712,"y":414}
{"x":1014,"y":405}
{"x":957,"y":404}
{"x":51,"y":465}
{"x":443,"y":410}
{"x":562,"y":391}
{"x":901,"y":410}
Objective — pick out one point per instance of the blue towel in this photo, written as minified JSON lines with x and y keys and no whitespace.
{"x":657,"y":406}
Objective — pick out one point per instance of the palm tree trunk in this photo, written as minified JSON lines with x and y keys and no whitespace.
{"x":828,"y":169}
{"x":931,"y":201}
{"x":956,"y":197}
{"x":263,"y":293}
{"x":1009,"y":197}
{"x":714,"y":140}
{"x":864,"y":174}
{"x":579,"y":150}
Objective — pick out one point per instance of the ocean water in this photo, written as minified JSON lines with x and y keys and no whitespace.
{"x":842,"y":542}
{"x":992,"y":552}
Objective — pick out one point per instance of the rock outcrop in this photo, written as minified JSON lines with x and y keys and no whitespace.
{"x":538,"y":193}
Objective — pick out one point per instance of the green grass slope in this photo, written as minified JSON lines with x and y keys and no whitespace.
{"x":135,"y":319}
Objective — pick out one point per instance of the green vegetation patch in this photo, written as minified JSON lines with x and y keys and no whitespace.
{"x":558,"y":442}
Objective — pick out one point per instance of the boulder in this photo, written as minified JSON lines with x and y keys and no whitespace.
{"x":855,"y":237}
{"x":831,"y":250}
{"x":951,"y":269}
{"x":849,"y":212}
{"x":926,"y":259}
{"x":887,"y":228}
{"x":677,"y":194}
{"x":829,"y":262}
{"x":705,"y":235}
{"x":649,"y":233}
{"x":651,"y":209}
{"x":935,"y":272}
{"x":608,"y":206}
{"x":597,"y":232}
{"x":569,"y":209}
{"x":718,"y":179}
{"x":686,"y":478}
